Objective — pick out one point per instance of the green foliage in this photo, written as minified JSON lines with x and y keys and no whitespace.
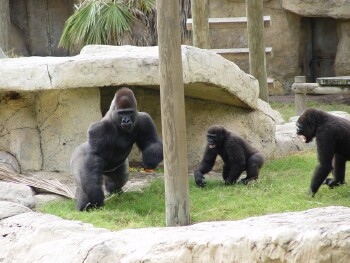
{"x":282,"y":187}
{"x":102,"y":22}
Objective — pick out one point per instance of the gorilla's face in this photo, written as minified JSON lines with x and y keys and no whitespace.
{"x":305,"y":126}
{"x":212,"y":140}
{"x":126,"y":119}
{"x":215,"y":136}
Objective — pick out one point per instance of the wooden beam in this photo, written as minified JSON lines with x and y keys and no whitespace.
{"x":173,"y":114}
{"x":227,"y":22}
{"x":257,"y":58}
{"x":238,"y":51}
{"x":200,"y":9}
{"x":314,"y":88}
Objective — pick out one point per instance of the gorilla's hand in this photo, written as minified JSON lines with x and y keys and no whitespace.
{"x":310,"y":193}
{"x":199,"y":178}
{"x":331,"y":183}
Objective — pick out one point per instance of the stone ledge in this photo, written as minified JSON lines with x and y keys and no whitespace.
{"x":207,"y":75}
{"x":315,"y":235}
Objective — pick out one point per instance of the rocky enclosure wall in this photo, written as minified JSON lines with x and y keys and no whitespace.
{"x":47,"y":104}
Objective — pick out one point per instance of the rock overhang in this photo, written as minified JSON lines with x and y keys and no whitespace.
{"x":206,"y":75}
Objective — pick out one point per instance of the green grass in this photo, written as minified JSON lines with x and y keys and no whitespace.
{"x":287,"y":109}
{"x":282,"y":187}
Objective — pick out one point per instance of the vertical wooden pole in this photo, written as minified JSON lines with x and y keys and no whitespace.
{"x":300,"y":98}
{"x":4,"y":25}
{"x":257,"y":57}
{"x":200,"y":25}
{"x":173,"y":113}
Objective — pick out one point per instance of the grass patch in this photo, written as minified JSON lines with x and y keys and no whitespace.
{"x":282,"y":187}
{"x":287,"y":109}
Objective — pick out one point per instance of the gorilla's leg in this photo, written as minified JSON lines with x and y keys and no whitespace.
{"x":254,"y":163}
{"x":82,"y":201}
{"x":339,"y":166}
{"x":115,"y":180}
{"x":234,"y":171}
{"x":321,"y":173}
{"x":225,"y":171}
{"x":87,"y":170}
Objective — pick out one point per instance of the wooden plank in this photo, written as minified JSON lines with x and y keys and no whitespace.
{"x":334,"y":81}
{"x":173,"y":114}
{"x":238,"y":51}
{"x":314,"y":88}
{"x":228,"y":22}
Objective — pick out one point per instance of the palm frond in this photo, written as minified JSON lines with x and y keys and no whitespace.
{"x":51,"y":186}
{"x":114,"y":22}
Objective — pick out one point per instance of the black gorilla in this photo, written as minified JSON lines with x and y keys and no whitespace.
{"x":104,"y":157}
{"x":333,"y":145}
{"x":238,"y":156}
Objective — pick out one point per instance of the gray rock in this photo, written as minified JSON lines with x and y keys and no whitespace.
{"x":8,"y":161}
{"x":321,"y":8}
{"x":17,"y":193}
{"x":2,"y":54}
{"x":315,"y":235}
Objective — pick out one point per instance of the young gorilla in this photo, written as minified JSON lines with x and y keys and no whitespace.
{"x":104,"y":157}
{"x":238,"y":156}
{"x":333,"y":145}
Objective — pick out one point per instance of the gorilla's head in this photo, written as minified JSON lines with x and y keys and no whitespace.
{"x":215,"y":136}
{"x":125,"y":109}
{"x":307,"y":123}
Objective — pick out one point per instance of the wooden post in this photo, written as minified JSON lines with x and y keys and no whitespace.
{"x":300,"y":98}
{"x":257,"y":58}
{"x":173,"y":114}
{"x":200,"y":25}
{"x":4,"y":25}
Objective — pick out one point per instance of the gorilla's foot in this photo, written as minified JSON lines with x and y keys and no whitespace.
{"x":332,"y":183}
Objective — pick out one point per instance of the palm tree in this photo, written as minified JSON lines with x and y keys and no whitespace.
{"x":112,"y":22}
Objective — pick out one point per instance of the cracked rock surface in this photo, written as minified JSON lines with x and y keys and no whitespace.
{"x":315,"y":235}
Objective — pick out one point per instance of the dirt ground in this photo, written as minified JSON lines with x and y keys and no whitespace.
{"x":343,"y":99}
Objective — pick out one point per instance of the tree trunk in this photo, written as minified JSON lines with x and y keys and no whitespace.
{"x":4,"y":25}
{"x":257,"y":57}
{"x":173,"y":114}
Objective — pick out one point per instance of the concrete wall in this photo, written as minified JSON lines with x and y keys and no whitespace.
{"x":295,"y":51}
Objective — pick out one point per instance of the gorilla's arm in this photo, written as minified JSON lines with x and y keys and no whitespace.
{"x":148,"y":141}
{"x":204,"y":166}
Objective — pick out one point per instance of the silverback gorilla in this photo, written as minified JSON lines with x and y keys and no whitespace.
{"x":238,"y":156}
{"x":104,"y":157}
{"x":333,"y":145}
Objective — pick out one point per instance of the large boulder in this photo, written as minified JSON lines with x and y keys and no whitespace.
{"x":315,"y":235}
{"x":321,"y":8}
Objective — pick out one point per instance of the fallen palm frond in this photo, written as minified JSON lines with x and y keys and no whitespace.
{"x":52,"y":186}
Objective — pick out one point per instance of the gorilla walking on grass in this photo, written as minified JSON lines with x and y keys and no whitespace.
{"x":238,"y":156}
{"x":104,"y":157}
{"x":332,"y":135}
